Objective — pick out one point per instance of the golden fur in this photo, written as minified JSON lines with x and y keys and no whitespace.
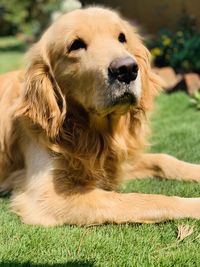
{"x":64,"y":149}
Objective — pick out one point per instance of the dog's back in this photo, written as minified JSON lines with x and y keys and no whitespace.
{"x":10,"y":158}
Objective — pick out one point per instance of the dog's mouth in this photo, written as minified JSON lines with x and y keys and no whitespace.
{"x":116,"y":98}
{"x":121,"y":95}
{"x":119,"y":105}
{"x":126,"y":98}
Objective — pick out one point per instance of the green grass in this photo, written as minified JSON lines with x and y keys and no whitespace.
{"x":176,"y":130}
{"x":11,"y":51}
{"x":10,"y":61}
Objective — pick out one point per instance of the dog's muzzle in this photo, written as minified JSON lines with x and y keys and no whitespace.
{"x":121,"y":72}
{"x":127,"y":98}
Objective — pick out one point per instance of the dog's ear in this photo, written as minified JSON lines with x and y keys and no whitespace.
{"x":151,"y":83}
{"x":42,"y":101}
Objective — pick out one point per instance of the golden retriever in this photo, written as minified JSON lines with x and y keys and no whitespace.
{"x":73,"y":126}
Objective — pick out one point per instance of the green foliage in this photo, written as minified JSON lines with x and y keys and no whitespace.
{"x":180,"y":50}
{"x":27,"y":16}
{"x":195,"y":100}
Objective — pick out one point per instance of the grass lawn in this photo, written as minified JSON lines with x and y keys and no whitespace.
{"x":11,"y":53}
{"x":176,"y":130}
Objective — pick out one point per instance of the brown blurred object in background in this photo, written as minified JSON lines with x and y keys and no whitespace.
{"x":154,"y":14}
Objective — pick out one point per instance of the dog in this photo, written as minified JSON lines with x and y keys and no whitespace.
{"x":74,"y":126}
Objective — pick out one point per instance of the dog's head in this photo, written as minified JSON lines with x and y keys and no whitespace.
{"x":91,"y":57}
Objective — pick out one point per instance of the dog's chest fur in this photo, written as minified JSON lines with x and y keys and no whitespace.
{"x":98,"y":166}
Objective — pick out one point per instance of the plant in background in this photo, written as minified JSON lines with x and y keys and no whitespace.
{"x":66,"y":6}
{"x":195,"y":100}
{"x":29,"y":17}
{"x":180,"y":50}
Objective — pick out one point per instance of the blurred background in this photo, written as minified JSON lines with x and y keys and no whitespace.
{"x":170,"y":28}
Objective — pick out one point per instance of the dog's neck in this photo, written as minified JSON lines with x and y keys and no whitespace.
{"x":83,"y":131}
{"x":106,"y":125}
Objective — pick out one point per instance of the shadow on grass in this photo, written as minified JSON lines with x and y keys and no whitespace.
{"x":14,"y":48}
{"x":67,"y":264}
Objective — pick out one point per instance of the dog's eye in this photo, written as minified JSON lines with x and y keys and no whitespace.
{"x":122,"y":38}
{"x":77,"y":44}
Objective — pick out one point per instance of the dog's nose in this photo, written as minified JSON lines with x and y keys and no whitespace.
{"x":123,"y":69}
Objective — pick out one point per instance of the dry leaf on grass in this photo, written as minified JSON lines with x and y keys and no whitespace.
{"x":184,"y":230}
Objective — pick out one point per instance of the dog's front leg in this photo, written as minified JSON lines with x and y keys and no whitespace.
{"x":95,"y":206}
